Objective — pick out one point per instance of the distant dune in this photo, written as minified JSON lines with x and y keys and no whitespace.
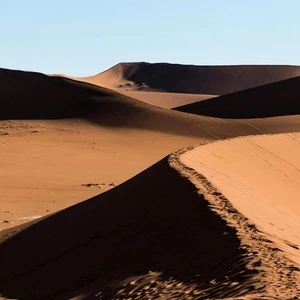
{"x":275,"y":99}
{"x":29,"y":95}
{"x":175,"y":78}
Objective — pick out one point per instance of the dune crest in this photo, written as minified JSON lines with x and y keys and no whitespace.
{"x":160,"y":233}
{"x":274,"y":99}
{"x":190,"y":79}
{"x":173,"y":85}
{"x":258,"y":177}
{"x":146,"y":237}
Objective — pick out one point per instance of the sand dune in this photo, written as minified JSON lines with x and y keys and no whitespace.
{"x":130,"y":241}
{"x":150,"y":235}
{"x":45,"y":164}
{"x":29,"y":95}
{"x":260,"y":177}
{"x":275,"y":99}
{"x":175,"y":78}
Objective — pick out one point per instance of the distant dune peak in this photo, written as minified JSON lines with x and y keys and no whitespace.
{"x":191,"y":79}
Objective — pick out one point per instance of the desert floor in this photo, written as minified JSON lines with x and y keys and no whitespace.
{"x":179,"y":186}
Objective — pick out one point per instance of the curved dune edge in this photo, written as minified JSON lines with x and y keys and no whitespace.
{"x":256,"y":271}
{"x":279,"y":275}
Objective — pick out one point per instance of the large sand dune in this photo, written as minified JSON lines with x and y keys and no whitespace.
{"x":29,"y":95}
{"x":260,"y":176}
{"x":161,"y":238}
{"x":275,"y":99}
{"x":175,"y":78}
{"x":173,"y":85}
{"x":151,"y":235}
{"x":48,"y":165}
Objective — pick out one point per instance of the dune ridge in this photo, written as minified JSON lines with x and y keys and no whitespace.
{"x":176,"y":78}
{"x":157,"y":234}
{"x":276,"y":258}
{"x":103,"y":129}
{"x":115,"y":244}
{"x":248,"y":266}
{"x":274,"y":99}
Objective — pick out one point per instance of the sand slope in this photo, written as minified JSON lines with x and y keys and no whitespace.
{"x":161,"y":238}
{"x":259,"y":176}
{"x":175,"y":78}
{"x":146,"y":224}
{"x":108,"y":245}
{"x":45,"y":164}
{"x":275,"y":99}
{"x":29,"y":95}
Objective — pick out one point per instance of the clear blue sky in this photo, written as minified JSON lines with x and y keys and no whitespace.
{"x":86,"y":37}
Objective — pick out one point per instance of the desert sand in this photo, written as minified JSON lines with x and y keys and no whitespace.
{"x":258,"y":102}
{"x":260,"y":177}
{"x":180,"y":85}
{"x":153,"y":225}
{"x":175,"y":78}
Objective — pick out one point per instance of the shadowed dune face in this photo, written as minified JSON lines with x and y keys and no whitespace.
{"x":175,"y":78}
{"x":28,"y":95}
{"x":275,"y":99}
{"x":116,"y":137}
{"x":146,"y":224}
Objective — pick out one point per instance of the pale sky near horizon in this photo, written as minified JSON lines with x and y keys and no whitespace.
{"x":82,"y":38}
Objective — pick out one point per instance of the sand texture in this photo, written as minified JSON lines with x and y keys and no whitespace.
{"x":98,"y":202}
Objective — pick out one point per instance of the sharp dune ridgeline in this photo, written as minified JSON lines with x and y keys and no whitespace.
{"x":145,"y":225}
{"x":274,"y":99}
{"x":189,"y":79}
{"x":94,"y":206}
{"x":29,"y":95}
{"x":172,"y":85}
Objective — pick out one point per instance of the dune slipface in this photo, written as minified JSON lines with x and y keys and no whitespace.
{"x":151,"y":235}
{"x":175,"y":78}
{"x":173,"y":85}
{"x":275,"y":99}
{"x":29,"y":95}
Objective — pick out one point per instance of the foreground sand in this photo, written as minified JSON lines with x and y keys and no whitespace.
{"x":152,"y":236}
{"x":260,"y":175}
{"x":254,"y":184}
{"x":191,"y":241}
{"x":50,"y":165}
